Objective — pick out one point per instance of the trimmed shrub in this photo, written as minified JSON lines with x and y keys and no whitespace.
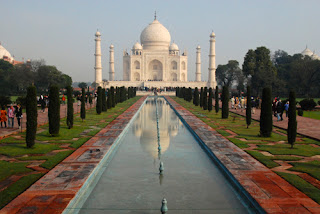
{"x":104,"y":100}
{"x":109,"y":99}
{"x":205,"y":99}
{"x":266,"y":113}
{"x":216,"y":97}
{"x":177,"y":91}
{"x":83,"y":105}
{"x":210,"y":99}
{"x":307,"y":104}
{"x":99,"y":100}
{"x":248,"y":109}
{"x":196,"y":97}
{"x":70,"y":107}
{"x":225,"y":102}
{"x":292,"y":122}
{"x":5,"y":100}
{"x":189,"y":95}
{"x":113,"y":100}
{"x":300,"y":112}
{"x":54,"y":111}
{"x":32,"y":116}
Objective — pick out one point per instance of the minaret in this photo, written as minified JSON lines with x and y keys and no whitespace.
{"x":198,"y":65}
{"x":212,"y":62}
{"x":97,"y":55}
{"x":111,"y":64}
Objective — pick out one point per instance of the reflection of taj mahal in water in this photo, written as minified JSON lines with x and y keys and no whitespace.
{"x":145,"y":127}
{"x":155,"y":62}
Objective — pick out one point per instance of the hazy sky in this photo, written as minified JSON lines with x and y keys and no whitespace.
{"x":62,"y":31}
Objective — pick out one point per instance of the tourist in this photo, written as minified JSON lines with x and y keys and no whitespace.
{"x":63,"y":100}
{"x":42,"y":103}
{"x":279,"y":109}
{"x":232,"y":102}
{"x":286,"y":107}
{"x":3,"y":117}
{"x":11,"y":112}
{"x":19,"y":114}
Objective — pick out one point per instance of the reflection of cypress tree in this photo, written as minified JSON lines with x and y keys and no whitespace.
{"x":196,"y":97}
{"x":104,"y":100}
{"x":248,"y":109}
{"x":201,"y":97}
{"x":205,"y":99}
{"x":109,"y":99}
{"x":70,"y":107}
{"x":99,"y":100}
{"x":266,"y":113}
{"x":292,"y":122}
{"x":216,"y":97}
{"x":83,"y":105}
{"x":210,"y":99}
{"x":225,"y":102}
{"x":54,"y":111}
{"x":32,"y":116}
{"x":113,"y":103}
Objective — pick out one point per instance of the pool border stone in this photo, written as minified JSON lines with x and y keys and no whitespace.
{"x":55,"y":190}
{"x":258,"y":184}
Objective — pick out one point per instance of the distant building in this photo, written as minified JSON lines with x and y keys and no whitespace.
{"x":308,"y":52}
{"x":6,"y":56}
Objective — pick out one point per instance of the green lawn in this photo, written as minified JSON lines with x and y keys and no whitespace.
{"x":43,"y":150}
{"x":312,"y":114}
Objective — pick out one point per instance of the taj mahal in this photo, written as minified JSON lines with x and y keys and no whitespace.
{"x":155,"y":62}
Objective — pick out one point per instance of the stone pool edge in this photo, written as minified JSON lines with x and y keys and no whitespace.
{"x":55,"y":190}
{"x":257,"y":183}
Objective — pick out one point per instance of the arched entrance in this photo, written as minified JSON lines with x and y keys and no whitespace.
{"x":155,"y":70}
{"x":136,"y":76}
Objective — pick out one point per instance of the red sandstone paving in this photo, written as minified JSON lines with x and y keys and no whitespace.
{"x":53,"y":192}
{"x":273,"y":193}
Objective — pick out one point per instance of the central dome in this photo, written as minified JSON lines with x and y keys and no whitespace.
{"x":155,"y":36}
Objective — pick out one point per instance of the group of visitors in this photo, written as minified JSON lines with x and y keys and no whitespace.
{"x":11,"y":113}
{"x":278,"y":107}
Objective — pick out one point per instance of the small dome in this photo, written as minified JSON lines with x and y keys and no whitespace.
{"x":5,"y":53}
{"x":137,"y":46}
{"x":307,"y":52}
{"x":198,"y":47}
{"x":173,"y":47}
{"x":98,"y":33}
{"x":315,"y":56}
{"x":212,"y":34}
{"x":155,"y":36}
{"x":111,"y":46}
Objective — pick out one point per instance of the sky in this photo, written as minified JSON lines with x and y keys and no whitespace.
{"x":62,"y":32}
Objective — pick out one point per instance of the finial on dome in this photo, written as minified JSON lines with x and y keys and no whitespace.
{"x":155,"y":15}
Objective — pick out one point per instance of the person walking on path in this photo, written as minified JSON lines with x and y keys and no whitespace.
{"x":42,"y":103}
{"x":11,"y":113}
{"x":63,"y":100}
{"x":3,"y":117}
{"x":232,"y":102}
{"x":286,"y":107}
{"x":279,"y":109}
{"x":19,"y":115}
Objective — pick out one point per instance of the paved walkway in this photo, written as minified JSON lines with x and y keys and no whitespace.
{"x":54,"y":191}
{"x":274,"y":194}
{"x":42,"y":119}
{"x":305,"y":126}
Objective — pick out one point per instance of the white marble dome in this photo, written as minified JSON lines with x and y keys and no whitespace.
{"x":137,"y":46}
{"x":212,"y":34}
{"x":98,"y":33}
{"x":307,"y":52}
{"x":173,"y":47}
{"x":5,"y":53}
{"x":155,"y":36}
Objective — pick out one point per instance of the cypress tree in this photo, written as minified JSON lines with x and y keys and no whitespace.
{"x":177,"y":91}
{"x":292,"y":121}
{"x":266,"y":113}
{"x":210,"y":99}
{"x":201,"y":97}
{"x":117,"y":95}
{"x":248,"y":109}
{"x":54,"y":111}
{"x":196,"y":97}
{"x":99,"y":100}
{"x":104,"y":100}
{"x":216,"y":97}
{"x":189,"y":94}
{"x":70,"y":107}
{"x":83,"y":105}
{"x":32,"y":116}
{"x":113,"y":100}
{"x":205,"y":99}
{"x":225,"y":102}
{"x":109,"y":99}
{"x":90,"y":100}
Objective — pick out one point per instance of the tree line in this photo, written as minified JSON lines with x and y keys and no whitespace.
{"x":15,"y":79}
{"x":281,"y":72}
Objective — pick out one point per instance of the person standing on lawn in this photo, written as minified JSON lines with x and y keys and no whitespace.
{"x":19,"y":114}
{"x":3,"y":117}
{"x":11,"y":112}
